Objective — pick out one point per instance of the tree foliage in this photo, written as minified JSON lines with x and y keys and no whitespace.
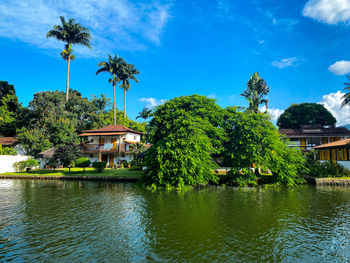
{"x":255,"y":93}
{"x":10,"y":110}
{"x":184,"y":132}
{"x":252,"y":139}
{"x":305,"y":114}
{"x":70,"y":32}
{"x":67,"y":153}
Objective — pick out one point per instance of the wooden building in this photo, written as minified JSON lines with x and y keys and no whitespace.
{"x":309,"y":136}
{"x":337,"y":152}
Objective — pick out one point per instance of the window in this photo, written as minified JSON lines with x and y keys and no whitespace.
{"x":135,"y":138}
{"x":91,"y":155}
{"x":123,"y":155}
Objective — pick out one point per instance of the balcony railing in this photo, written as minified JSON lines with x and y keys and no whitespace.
{"x":103,"y":147}
{"x":306,"y":147}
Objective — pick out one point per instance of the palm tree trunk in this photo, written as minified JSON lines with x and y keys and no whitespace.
{"x":67,"y":86}
{"x":114,"y":107}
{"x":124,"y":103}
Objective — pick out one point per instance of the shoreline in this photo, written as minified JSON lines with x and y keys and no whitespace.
{"x":76,"y":178}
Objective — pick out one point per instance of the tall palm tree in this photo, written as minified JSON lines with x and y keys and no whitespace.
{"x":346,"y":97}
{"x":256,"y":90}
{"x":127,"y":73}
{"x":145,"y":114}
{"x":112,"y":66}
{"x":71,"y":33}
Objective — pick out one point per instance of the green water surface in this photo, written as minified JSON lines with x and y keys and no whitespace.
{"x":73,"y":221}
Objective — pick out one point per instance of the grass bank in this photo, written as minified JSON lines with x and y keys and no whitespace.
{"x":78,"y":173}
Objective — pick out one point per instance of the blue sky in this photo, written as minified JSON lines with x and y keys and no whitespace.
{"x":301,"y":48}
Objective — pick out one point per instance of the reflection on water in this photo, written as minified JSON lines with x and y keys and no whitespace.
{"x":51,"y":221}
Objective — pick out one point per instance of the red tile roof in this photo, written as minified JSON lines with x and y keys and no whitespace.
{"x":101,"y":133}
{"x":8,"y":141}
{"x":339,"y":143}
{"x":113,"y":128}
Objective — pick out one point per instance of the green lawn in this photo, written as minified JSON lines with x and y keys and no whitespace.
{"x":79,"y":172}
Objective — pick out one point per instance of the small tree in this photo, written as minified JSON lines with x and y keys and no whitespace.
{"x":83,"y":163}
{"x":22,"y":165}
{"x":67,"y":153}
{"x":99,"y":166}
{"x":254,"y":141}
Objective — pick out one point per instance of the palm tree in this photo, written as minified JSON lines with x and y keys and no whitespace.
{"x":112,"y":66}
{"x":145,"y":114}
{"x":346,"y":97}
{"x":127,"y":73}
{"x":255,"y":92}
{"x":71,"y":33}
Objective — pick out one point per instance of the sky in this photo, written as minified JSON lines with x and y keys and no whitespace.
{"x":300,"y":47}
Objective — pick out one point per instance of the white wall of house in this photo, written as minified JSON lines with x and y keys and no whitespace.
{"x":7,"y":161}
{"x":133,"y":137}
{"x":346,"y":164}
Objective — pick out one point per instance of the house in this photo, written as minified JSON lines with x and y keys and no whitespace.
{"x":13,"y":143}
{"x":7,"y":161}
{"x":337,"y":152}
{"x":113,"y":144}
{"x":309,"y":136}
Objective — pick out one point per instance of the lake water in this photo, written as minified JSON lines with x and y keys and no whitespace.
{"x":73,"y":221}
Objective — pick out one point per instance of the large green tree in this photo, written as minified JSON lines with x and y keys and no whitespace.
{"x":305,"y":114}
{"x":255,"y":93}
{"x":10,"y":110}
{"x":71,"y":33}
{"x":184,"y":132}
{"x":252,"y":140}
{"x":113,"y":67}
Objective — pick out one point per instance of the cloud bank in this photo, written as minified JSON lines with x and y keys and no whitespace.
{"x":114,"y":25}
{"x":332,"y":102}
{"x":328,"y":11}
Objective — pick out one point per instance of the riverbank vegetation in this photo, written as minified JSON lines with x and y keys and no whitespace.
{"x":191,"y":135}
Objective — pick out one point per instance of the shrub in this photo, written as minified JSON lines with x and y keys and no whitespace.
{"x":327,"y":169}
{"x":99,"y":166}
{"x":7,"y":151}
{"x":83,"y":163}
{"x":22,"y":165}
{"x":19,"y":166}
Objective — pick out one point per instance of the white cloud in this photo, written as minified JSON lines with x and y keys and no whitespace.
{"x":152,"y":102}
{"x":286,"y":62}
{"x":332,"y":102}
{"x":328,"y":11}
{"x":274,"y":113}
{"x":115,"y":25}
{"x":340,"y":67}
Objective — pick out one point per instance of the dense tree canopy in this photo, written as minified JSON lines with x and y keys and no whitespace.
{"x":252,"y":139}
{"x":184,"y":132}
{"x":10,"y":110}
{"x":305,"y":114}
